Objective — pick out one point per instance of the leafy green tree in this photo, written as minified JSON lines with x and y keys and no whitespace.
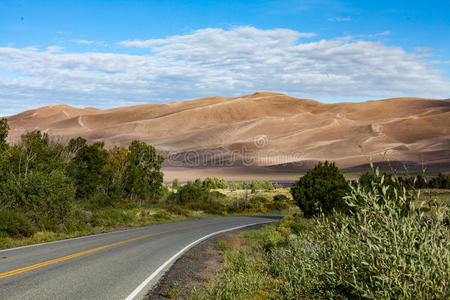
{"x":40,"y":153}
{"x":116,"y":173}
{"x":75,"y":145}
{"x":87,"y":169}
{"x":144,"y":176}
{"x":215,"y":183}
{"x":320,"y":189}
{"x":46,"y":198}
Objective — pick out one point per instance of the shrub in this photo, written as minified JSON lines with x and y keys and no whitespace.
{"x":213,"y":208}
{"x":15,"y":224}
{"x":440,"y":182}
{"x":111,"y":217}
{"x":175,"y":184}
{"x":177,"y":210}
{"x":276,"y":206}
{"x":281,"y":198}
{"x":162,"y":215}
{"x":321,"y":189}
{"x":258,"y":198}
{"x":47,"y":199}
{"x":190,"y":192}
{"x":375,"y":252}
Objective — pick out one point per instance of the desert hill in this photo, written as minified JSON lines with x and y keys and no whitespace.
{"x":260,"y":130}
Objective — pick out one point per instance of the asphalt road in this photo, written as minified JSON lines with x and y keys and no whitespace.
{"x":113,"y":265}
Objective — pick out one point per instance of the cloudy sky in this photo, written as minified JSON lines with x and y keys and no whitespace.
{"x":116,"y":53}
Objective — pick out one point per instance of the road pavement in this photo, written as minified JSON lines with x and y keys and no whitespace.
{"x":116,"y":265}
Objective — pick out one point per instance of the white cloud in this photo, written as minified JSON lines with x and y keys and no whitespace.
{"x":83,"y":42}
{"x":89,"y":42}
{"x":216,"y":62}
{"x":339,"y":19}
{"x":384,"y":33}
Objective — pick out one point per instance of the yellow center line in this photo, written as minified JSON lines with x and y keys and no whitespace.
{"x":53,"y":261}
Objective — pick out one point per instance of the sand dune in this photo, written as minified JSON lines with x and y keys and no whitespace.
{"x":260,"y":130}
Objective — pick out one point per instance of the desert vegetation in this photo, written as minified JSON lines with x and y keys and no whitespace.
{"x":385,"y":244}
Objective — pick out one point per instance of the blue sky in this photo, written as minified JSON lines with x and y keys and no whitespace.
{"x":111,"y":53}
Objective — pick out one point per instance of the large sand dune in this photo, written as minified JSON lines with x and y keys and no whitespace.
{"x":260,"y":130}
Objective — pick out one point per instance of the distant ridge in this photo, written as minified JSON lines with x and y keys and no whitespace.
{"x":261,"y":129}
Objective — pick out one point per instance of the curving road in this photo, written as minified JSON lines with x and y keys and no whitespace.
{"x":116,"y":265}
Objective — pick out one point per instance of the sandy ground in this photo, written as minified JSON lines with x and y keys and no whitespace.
{"x":230,"y":174}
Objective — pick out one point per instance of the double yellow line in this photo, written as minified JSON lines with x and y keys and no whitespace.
{"x":53,"y":261}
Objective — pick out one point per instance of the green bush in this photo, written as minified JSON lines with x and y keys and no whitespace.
{"x":162,"y":215}
{"x":441,"y":181}
{"x":281,"y":198}
{"x":258,"y":198}
{"x":46,"y":198}
{"x":111,"y":217}
{"x":215,"y":183}
{"x":190,"y":192}
{"x":175,"y":184}
{"x":127,"y":205}
{"x":177,"y":210}
{"x":278,"y":205}
{"x":15,"y":224}
{"x":320,"y":189}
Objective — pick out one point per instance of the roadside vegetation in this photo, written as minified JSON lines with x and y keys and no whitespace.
{"x":377,"y":240}
{"x":50,"y":190}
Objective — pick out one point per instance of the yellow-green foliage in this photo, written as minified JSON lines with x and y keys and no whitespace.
{"x":385,"y":248}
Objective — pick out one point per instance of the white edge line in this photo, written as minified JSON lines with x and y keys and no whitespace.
{"x":154,"y":274}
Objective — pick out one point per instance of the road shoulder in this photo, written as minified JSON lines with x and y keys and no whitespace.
{"x":196,"y":268}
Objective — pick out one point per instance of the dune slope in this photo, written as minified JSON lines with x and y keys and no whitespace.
{"x":262,"y":129}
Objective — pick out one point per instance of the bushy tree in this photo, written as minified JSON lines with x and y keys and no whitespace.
{"x":40,"y":153}
{"x":87,"y":169}
{"x":215,"y":183}
{"x":320,"y":189}
{"x":46,"y":198}
{"x":191,"y":192}
{"x":144,"y":176}
{"x":116,"y":173}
